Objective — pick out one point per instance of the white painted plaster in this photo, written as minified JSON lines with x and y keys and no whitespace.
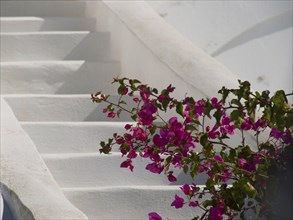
{"x":71,"y":137}
{"x":128,"y":202}
{"x":32,"y":24}
{"x":57,"y":77}
{"x":252,"y":38}
{"x":26,"y":183}
{"x":158,"y":52}
{"x":59,"y":108}
{"x":51,"y":72}
{"x":32,"y":46}
{"x":60,"y":8}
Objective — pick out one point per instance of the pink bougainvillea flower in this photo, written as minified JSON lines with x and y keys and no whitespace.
{"x":170,"y":88}
{"x":160,"y":141}
{"x":135,"y":99}
{"x":155,"y":168}
{"x":213,"y":134}
{"x":275,"y":133}
{"x":127,"y":163}
{"x":144,"y":92}
{"x":171,"y":178}
{"x":178,"y":202}
{"x":161,"y":98}
{"x":146,"y":117}
{"x":225,"y":120}
{"x":146,"y":113}
{"x":246,"y":125}
{"x":111,"y":115}
{"x":227,"y":174}
{"x":199,"y":108}
{"x":193,"y":204}
{"x":242,"y":162}
{"x":154,"y":216}
{"x":132,"y":154}
{"x":127,"y":126}
{"x":230,"y":129}
{"x":125,"y":91}
{"x":216,"y":213}
{"x":287,"y":137}
{"x":218,"y":158}
{"x":140,"y":134}
{"x":185,"y":189}
{"x":215,"y":103}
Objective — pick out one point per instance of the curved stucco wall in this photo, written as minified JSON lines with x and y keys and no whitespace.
{"x":153,"y":51}
{"x":251,"y":38}
{"x":26,"y":184}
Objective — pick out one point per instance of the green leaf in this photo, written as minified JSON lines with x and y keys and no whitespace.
{"x":122,"y":102}
{"x":210,"y":183}
{"x":121,"y":89}
{"x":236,"y":102}
{"x":217,"y":115}
{"x":225,"y":93}
{"x":203,"y":140}
{"x":153,"y":129}
{"x":185,"y":168}
{"x":224,"y":156}
{"x":190,"y":127}
{"x":134,"y":81}
{"x":165,"y":104}
{"x":232,"y":154}
{"x":165,"y":92}
{"x":279,"y":99}
{"x":207,"y":203}
{"x":155,"y":91}
{"x":179,"y":108}
{"x":235,"y":115}
{"x":208,"y":108}
{"x":134,"y":117}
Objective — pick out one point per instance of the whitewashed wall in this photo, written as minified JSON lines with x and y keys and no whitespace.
{"x":251,"y":38}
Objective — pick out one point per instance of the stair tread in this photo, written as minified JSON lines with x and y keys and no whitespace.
{"x":115,"y":188}
{"x":52,"y":33}
{"x":39,"y":18}
{"x":54,"y":62}
{"x":56,"y":156}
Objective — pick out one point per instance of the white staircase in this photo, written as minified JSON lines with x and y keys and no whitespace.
{"x":51,"y":60}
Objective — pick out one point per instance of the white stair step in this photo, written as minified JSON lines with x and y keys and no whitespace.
{"x":42,"y":8}
{"x":71,"y":137}
{"x":95,"y":169}
{"x":31,"y":24}
{"x":81,"y":45}
{"x":132,"y":202}
{"x":60,"y":108}
{"x":57,"y":77}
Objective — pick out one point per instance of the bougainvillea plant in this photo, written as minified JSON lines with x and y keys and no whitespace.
{"x":195,"y":140}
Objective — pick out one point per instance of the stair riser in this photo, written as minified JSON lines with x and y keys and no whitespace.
{"x":42,"y":8}
{"x":129,"y":203}
{"x":57,"y":78}
{"x":60,"y":108}
{"x":52,"y":138}
{"x":55,"y":46}
{"x":101,"y":170}
{"x":33,"y":24}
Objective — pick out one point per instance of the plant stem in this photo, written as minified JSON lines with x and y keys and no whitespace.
{"x":118,"y":106}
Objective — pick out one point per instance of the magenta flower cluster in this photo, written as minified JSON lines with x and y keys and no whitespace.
{"x":194,"y":141}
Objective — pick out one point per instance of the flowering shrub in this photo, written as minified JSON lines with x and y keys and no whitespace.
{"x":196,"y":141}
